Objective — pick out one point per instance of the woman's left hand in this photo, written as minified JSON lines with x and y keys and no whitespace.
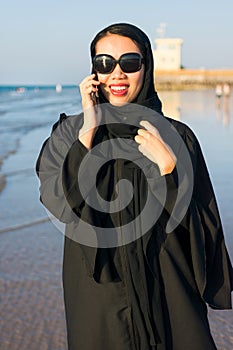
{"x":153,"y":147}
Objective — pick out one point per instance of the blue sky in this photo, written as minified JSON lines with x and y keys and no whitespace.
{"x":47,"y":41}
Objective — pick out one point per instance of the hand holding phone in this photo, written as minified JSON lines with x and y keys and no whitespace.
{"x":89,"y":91}
{"x":92,"y":113}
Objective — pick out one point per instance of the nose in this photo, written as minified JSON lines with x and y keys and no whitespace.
{"x":117,"y":72}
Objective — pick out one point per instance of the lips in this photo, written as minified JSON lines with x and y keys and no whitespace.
{"x":119,"y":89}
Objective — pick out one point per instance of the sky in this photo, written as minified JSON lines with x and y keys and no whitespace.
{"x":47,"y":41}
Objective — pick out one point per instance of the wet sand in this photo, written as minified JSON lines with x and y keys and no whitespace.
{"x":31,"y":250}
{"x":31,"y":308}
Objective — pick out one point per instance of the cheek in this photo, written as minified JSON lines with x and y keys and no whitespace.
{"x":102,"y":78}
{"x":138,"y":81}
{"x":103,"y":81}
{"x":141,"y":77}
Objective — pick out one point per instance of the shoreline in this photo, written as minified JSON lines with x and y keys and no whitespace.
{"x":192,"y":79}
{"x":2,"y":181}
{"x":3,"y":177}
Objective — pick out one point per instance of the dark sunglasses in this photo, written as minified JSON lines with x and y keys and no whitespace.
{"x":129,"y":63}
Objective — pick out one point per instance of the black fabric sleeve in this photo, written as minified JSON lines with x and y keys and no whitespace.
{"x":211,"y":263}
{"x":62,"y":143}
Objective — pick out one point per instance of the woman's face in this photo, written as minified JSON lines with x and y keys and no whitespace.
{"x":119,"y":87}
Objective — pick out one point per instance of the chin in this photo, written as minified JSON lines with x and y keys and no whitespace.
{"x":118,"y":103}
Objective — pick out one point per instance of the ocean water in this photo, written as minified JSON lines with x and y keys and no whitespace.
{"x":30,"y":248}
{"x":26,"y":119}
{"x":33,"y":108}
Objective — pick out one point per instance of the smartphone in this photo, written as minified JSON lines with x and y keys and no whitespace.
{"x":95,"y":95}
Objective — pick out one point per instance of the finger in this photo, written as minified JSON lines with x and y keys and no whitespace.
{"x":148,"y":126}
{"x":144,"y":133}
{"x":90,"y":86}
{"x":89,"y":82}
{"x":88,"y":90}
{"x":94,"y":82}
{"x":88,"y":78}
{"x":139,"y":139}
{"x":143,"y":150}
{"x":152,"y":129}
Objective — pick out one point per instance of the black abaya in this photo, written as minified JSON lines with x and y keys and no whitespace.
{"x":150,"y":293}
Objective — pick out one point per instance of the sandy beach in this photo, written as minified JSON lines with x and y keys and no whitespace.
{"x":32,"y":311}
{"x":31,"y":248}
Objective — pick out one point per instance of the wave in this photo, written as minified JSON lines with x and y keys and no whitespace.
{"x":24,"y":225}
{"x":3,"y":177}
{"x":2,"y":181}
{"x":37,"y":107}
{"x":20,"y":171}
{"x":26,"y":127}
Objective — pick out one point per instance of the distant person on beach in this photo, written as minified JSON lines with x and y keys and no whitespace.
{"x":144,"y":249}
{"x":218,"y":94}
{"x":218,"y":90}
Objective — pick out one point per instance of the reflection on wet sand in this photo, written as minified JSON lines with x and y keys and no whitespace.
{"x":223,"y":104}
{"x":226,"y":114}
{"x":171,"y":101}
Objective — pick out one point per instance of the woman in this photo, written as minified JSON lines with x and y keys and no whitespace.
{"x":129,"y":283}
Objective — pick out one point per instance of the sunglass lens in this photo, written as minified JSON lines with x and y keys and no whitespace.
{"x":131,"y":63}
{"x":103,"y":64}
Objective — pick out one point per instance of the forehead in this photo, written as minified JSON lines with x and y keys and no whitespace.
{"x":116,"y":45}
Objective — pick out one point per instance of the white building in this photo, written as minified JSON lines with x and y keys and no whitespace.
{"x":167,"y":55}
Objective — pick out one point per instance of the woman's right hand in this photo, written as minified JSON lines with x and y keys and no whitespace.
{"x":92,"y":117}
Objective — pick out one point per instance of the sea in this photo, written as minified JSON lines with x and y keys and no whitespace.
{"x":31,"y":302}
{"x":24,"y":109}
